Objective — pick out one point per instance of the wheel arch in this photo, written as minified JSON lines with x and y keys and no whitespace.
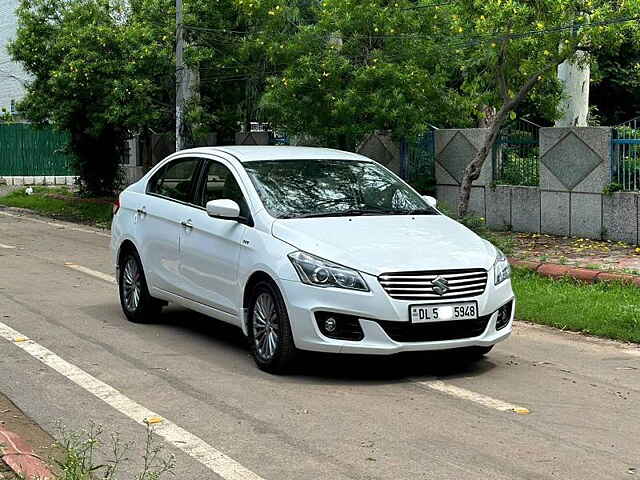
{"x":255,"y":278}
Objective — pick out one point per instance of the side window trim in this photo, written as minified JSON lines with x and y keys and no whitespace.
{"x":248,"y":220}
{"x":197,"y":175}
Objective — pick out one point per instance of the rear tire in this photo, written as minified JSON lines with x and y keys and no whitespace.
{"x":137,"y":304}
{"x":270,"y":336}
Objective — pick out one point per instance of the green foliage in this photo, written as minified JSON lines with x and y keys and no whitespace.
{"x":615,"y":83}
{"x":5,"y":116}
{"x":101,"y":71}
{"x":345,"y":68}
{"x":609,"y":310}
{"x":61,"y":204}
{"x":611,"y":188}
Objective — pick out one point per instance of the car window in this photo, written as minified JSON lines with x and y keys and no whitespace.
{"x":221,"y":184}
{"x":175,"y":180}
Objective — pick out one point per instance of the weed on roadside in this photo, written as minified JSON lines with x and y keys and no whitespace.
{"x":79,"y":461}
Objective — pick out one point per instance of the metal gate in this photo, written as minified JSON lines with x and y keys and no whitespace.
{"x":515,"y":154}
{"x":625,"y":155}
{"x":29,"y":151}
{"x":419,"y":167}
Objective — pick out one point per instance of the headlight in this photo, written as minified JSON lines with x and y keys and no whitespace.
{"x":501,"y":268}
{"x":323,"y":273}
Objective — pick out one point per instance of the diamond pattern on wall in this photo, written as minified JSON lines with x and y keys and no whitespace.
{"x":455,"y":157}
{"x":571,"y":160}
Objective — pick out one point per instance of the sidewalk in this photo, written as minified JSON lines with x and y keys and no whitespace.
{"x":585,"y":254}
{"x":24,"y":446}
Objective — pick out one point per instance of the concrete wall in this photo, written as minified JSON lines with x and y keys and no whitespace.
{"x":12,"y":76}
{"x":574,"y":170}
{"x":454,"y":150}
{"x":380,"y":147}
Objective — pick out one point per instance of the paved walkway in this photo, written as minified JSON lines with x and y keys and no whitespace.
{"x":584,"y":253}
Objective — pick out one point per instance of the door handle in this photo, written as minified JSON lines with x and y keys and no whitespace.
{"x":187,"y":224}
{"x":142,"y":211}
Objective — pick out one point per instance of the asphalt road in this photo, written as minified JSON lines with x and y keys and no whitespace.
{"x":335,"y":417}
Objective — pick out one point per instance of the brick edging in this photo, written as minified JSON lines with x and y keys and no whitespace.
{"x":553,"y":270}
{"x":21,"y":458}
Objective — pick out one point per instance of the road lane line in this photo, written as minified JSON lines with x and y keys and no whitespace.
{"x":88,"y":271}
{"x":2,"y":245}
{"x":55,"y":224}
{"x":212,"y":458}
{"x":478,"y":398}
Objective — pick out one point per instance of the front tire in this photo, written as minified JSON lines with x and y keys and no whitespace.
{"x":270,"y":336}
{"x":137,"y":304}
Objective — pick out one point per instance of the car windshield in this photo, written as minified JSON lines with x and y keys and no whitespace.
{"x":330,"y":188}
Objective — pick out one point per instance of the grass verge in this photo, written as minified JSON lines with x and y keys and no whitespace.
{"x":62,"y":204}
{"x":610,"y":310}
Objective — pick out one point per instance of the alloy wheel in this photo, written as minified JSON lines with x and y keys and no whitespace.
{"x":132,"y":284}
{"x":266,"y":326}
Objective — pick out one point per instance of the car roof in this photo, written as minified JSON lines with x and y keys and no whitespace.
{"x":246,"y":153}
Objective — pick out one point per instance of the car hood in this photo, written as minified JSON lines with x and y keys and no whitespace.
{"x":381,"y":244}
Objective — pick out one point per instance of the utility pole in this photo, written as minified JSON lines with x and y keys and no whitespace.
{"x":180,"y":75}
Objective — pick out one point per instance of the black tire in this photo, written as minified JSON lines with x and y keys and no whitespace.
{"x":475,"y":353}
{"x":284,"y":353}
{"x":146,"y":308}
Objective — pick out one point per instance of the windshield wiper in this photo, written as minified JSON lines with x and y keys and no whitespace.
{"x":354,"y":212}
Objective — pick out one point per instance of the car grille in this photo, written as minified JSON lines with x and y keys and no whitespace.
{"x":436,"y":331}
{"x":418,"y":285}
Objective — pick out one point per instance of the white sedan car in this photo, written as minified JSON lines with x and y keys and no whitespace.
{"x":307,"y":249}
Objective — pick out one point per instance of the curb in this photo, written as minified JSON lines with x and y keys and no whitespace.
{"x":553,"y":270}
{"x":21,"y":458}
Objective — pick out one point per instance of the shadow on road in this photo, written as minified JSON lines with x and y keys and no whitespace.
{"x":328,"y":368}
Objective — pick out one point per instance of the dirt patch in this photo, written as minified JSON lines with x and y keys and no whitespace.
{"x":13,"y":419}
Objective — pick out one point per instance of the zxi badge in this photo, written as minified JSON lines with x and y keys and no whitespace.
{"x":440,"y":285}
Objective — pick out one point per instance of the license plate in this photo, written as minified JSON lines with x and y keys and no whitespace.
{"x":443,"y":312}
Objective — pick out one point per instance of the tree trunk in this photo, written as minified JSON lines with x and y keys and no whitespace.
{"x":472,"y":172}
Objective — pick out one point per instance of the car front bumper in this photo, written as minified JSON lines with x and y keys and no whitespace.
{"x":375,"y":309}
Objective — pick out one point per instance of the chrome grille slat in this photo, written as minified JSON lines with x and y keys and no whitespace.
{"x":418,"y":285}
{"x":403,"y":276}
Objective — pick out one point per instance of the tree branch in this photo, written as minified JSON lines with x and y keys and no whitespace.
{"x":502,"y":81}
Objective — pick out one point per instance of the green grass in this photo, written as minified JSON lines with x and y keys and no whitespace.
{"x":610,"y":310}
{"x":70,"y":208}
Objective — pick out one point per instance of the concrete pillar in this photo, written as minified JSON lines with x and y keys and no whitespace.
{"x":455,"y":149}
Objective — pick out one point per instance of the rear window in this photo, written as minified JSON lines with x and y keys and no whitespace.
{"x":175,"y":180}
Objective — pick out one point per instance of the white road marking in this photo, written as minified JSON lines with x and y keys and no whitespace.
{"x":212,"y":458}
{"x":2,"y":245}
{"x":61,"y":226}
{"x":465,"y":394}
{"x":88,"y":271}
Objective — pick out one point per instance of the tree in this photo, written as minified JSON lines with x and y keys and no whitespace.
{"x":344,"y":68}
{"x":615,"y":92}
{"x":102,"y":70}
{"x":513,"y":48}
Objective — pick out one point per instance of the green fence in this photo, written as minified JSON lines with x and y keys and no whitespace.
{"x":515,"y":154}
{"x":29,"y":151}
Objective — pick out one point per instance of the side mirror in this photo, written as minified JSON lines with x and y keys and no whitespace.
{"x":224,"y":209}
{"x":432,"y":202}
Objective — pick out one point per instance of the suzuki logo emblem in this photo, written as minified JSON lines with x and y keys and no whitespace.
{"x":440,"y":285}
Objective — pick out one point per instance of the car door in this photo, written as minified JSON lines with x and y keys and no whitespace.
{"x":168,"y":201}
{"x":210,"y":247}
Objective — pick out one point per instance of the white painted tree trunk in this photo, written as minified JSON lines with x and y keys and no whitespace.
{"x":575,"y":76}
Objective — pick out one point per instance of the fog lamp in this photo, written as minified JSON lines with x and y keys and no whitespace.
{"x":330,"y":325}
